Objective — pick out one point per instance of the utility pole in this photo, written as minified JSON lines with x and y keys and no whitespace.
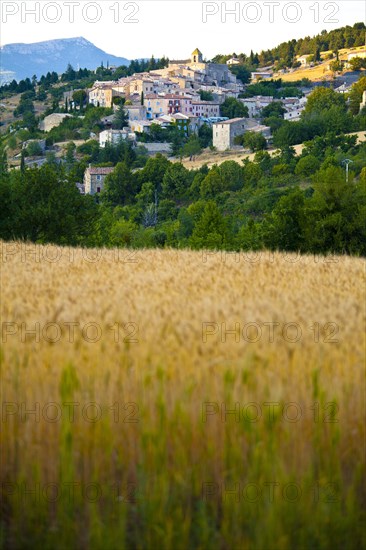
{"x":156,"y":207}
{"x":347,"y":162}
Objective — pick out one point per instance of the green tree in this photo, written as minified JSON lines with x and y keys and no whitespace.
{"x":122,"y":232}
{"x":177,"y":139}
{"x":205,"y":135}
{"x":231,"y":174}
{"x":47,"y":208}
{"x":120,"y":118}
{"x":212,"y":184}
{"x":307,"y":165}
{"x":119,"y":186}
{"x":191,"y":147}
{"x":242,"y":73}
{"x":355,"y":95}
{"x":274,"y":109}
{"x":211,"y":229}
{"x":357,"y":63}
{"x":79,"y":98}
{"x":154,"y":170}
{"x":283,"y":229}
{"x":3,"y":161}
{"x":30,"y":121}
{"x":176,"y":181}
{"x":22,"y":161}
{"x":336,"y":66}
{"x":70,"y":153}
{"x":336,"y":214}
{"x":290,"y":133}
{"x":255,"y":141}
{"x":206,"y":96}
{"x":33,"y":149}
{"x":233,"y":108}
{"x":322,"y":99}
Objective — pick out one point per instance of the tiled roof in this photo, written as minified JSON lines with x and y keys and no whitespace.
{"x":231,"y":121}
{"x":213,"y":103}
{"x":100,"y":170}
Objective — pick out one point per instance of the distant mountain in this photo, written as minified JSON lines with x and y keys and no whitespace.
{"x":24,"y":60}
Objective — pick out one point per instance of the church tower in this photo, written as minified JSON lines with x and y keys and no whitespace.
{"x":196,"y":56}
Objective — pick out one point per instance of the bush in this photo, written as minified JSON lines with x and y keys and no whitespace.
{"x":307,"y":165}
{"x":33,"y":149}
{"x":255,"y":141}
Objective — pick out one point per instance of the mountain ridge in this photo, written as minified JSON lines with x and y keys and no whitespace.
{"x":21,"y":60}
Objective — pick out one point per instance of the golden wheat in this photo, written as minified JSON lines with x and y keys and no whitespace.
{"x":146,"y":336}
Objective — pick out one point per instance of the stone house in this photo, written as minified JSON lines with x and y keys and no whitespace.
{"x":102,"y":93}
{"x":141,"y":126}
{"x":303,"y":59}
{"x":205,"y":109}
{"x":52,"y":121}
{"x":261,"y":75}
{"x":224,"y":132}
{"x":188,"y":105}
{"x":41,"y":143}
{"x":135,"y":112}
{"x":94,"y":177}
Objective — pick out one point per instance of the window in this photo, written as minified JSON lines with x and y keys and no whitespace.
{"x":98,"y":189}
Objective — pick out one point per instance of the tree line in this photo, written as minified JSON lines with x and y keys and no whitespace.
{"x":280,"y":202}
{"x":285,"y":53}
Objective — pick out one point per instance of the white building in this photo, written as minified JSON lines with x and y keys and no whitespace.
{"x":233,"y":61}
{"x":293,"y":114}
{"x":255,"y":104}
{"x":363,"y":102}
{"x":115,"y":136}
{"x":303,"y":59}
{"x":140,"y":126}
{"x":360,"y":53}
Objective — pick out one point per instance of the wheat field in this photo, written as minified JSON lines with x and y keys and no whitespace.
{"x":179,"y":399}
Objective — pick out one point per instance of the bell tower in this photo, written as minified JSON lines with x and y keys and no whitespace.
{"x":196,"y":56}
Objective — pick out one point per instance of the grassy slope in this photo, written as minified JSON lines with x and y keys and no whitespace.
{"x":159,"y":465}
{"x":320,"y":71}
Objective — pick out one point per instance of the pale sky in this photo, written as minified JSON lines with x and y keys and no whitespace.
{"x":174,"y":28}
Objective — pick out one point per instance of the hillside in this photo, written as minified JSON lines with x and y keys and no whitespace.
{"x":25,"y":60}
{"x":138,"y":344}
{"x":211,"y":158}
{"x":318,"y":72}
